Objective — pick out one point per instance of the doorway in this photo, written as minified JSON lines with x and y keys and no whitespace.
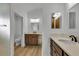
{"x":18,"y":31}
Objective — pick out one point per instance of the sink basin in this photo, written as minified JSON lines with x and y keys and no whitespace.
{"x":67,"y":41}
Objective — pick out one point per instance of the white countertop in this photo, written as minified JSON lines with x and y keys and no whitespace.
{"x":34,"y":33}
{"x":70,"y":47}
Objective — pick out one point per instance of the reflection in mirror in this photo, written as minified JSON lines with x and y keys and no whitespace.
{"x":56,"y":20}
{"x":72,"y":17}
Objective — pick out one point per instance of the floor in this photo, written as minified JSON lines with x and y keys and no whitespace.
{"x":28,"y":51}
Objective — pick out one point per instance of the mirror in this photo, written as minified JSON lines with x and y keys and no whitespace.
{"x":56,"y":17}
{"x":72,"y":17}
{"x":35,"y":25}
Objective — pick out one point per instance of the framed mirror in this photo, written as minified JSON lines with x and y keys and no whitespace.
{"x":55,"y":20}
{"x":35,"y":25}
{"x":72,"y":20}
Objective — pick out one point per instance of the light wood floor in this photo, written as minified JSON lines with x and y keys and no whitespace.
{"x":28,"y":51}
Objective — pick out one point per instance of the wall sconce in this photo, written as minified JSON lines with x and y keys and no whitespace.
{"x":35,"y":20}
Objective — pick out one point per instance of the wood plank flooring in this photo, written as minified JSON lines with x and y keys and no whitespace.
{"x":28,"y":51}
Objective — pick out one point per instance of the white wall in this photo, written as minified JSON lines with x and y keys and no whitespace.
{"x":70,"y":5}
{"x":34,"y":14}
{"x":18,"y":28}
{"x":21,"y":12}
{"x":48,"y":9}
{"x":16,"y":9}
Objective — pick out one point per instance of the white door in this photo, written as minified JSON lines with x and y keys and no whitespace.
{"x":4,"y":29}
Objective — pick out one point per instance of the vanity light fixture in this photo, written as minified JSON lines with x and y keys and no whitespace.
{"x":35,"y":20}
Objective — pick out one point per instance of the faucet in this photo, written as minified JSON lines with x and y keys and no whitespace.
{"x":73,"y":38}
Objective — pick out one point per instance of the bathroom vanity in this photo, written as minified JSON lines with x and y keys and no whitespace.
{"x":32,"y":38}
{"x":55,"y":50}
{"x":62,"y":46}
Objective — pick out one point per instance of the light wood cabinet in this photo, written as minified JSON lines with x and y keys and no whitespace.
{"x":55,"y":50}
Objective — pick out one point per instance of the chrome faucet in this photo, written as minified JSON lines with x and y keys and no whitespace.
{"x":73,"y":38}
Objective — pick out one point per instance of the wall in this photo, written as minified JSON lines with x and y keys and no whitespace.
{"x":16,"y":9}
{"x":34,"y":14}
{"x":70,"y":5}
{"x":18,"y":28}
{"x":22,"y":9}
{"x":48,"y":9}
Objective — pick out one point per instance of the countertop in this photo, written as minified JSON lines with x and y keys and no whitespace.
{"x":34,"y":33}
{"x":72,"y":49}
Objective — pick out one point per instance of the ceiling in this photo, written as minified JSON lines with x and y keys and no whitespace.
{"x":25,"y":7}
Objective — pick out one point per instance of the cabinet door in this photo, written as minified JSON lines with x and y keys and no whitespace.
{"x":31,"y":39}
{"x":51,"y":48}
{"x":54,"y":52}
{"x":57,"y":48}
{"x":35,"y":39}
{"x":26,"y":39}
{"x":65,"y":54}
